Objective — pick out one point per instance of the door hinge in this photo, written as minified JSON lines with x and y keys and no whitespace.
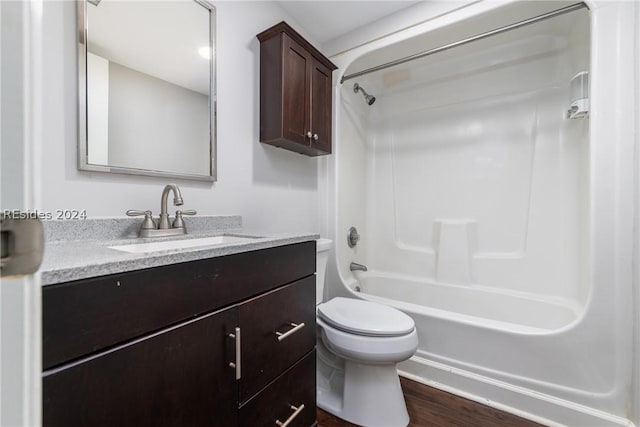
{"x":21,"y":245}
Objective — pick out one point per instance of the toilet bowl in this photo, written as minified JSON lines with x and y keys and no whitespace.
{"x":359,"y":345}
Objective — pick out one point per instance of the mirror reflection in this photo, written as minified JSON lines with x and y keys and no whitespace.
{"x":148,"y":88}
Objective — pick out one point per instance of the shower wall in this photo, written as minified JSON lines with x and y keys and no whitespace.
{"x":499,"y":225}
{"x":473,"y":176}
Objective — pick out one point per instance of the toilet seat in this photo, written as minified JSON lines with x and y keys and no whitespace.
{"x":365,"y":318}
{"x":368,"y":349}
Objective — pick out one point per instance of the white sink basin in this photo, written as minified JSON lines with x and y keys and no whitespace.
{"x":173,"y":245}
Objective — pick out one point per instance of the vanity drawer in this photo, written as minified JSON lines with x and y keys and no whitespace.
{"x":85,"y":316}
{"x":270,"y":343}
{"x":296,"y":387}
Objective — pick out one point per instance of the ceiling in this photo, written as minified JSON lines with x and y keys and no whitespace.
{"x":327,"y":20}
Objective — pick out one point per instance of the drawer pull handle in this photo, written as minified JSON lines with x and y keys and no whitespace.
{"x":296,"y":328}
{"x":292,"y":416}
{"x":237,"y":365}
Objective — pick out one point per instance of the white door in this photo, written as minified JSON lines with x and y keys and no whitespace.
{"x":20,"y":139}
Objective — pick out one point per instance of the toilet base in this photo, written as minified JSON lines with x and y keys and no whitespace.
{"x":367,"y":395}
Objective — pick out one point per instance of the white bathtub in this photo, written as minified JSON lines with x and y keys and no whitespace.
{"x":473,"y":305}
{"x":532,"y":311}
{"x":548,"y":361}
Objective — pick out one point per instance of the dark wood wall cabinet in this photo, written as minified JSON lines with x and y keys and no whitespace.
{"x":295,"y":92}
{"x":226,"y":341}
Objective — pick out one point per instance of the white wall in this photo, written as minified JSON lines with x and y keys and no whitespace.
{"x":351,"y":174}
{"x":635,"y":394}
{"x":20,"y":143}
{"x":271,"y":188}
{"x":343,"y":51}
{"x":411,"y":16}
{"x":155,"y":124}
{"x":98,"y":109}
{"x":444,"y":152}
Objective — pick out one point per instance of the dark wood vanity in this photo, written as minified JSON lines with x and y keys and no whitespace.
{"x":208,"y":342}
{"x":295,"y":92}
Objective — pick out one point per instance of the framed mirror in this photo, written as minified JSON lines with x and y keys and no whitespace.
{"x":147,"y":101}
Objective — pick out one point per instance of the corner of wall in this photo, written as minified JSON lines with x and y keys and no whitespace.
{"x":635,"y":392}
{"x":398,"y":21}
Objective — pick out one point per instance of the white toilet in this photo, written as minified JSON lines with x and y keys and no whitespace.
{"x":359,"y":345}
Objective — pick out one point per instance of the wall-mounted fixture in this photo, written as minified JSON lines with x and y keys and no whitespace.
{"x":354,"y":266}
{"x":369,"y":99}
{"x":130,"y":86}
{"x":21,"y":244}
{"x":353,"y":237}
{"x":579,"y":107}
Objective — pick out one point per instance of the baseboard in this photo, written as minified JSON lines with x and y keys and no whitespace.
{"x":519,"y":401}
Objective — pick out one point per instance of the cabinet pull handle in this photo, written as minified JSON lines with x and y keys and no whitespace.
{"x":238,"y":364}
{"x":309,"y":135}
{"x":296,"y":328}
{"x":291,"y":417}
{"x":315,"y":136}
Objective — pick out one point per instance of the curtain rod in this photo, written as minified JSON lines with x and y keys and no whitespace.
{"x":500,"y":30}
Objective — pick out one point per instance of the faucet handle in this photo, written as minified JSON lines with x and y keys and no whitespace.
{"x":148,"y":222}
{"x":178,"y":222}
{"x":353,"y":237}
{"x":135,"y":212}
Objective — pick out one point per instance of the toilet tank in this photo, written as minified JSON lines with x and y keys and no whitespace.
{"x":323,"y":246}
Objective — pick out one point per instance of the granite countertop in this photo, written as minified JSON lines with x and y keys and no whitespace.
{"x":82,"y":250}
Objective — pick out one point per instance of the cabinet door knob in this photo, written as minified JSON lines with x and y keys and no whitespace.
{"x":296,"y":328}
{"x":309,"y":135}
{"x":291,"y":417}
{"x":315,"y":136}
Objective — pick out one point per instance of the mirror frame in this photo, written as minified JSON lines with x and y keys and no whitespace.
{"x":83,"y":163}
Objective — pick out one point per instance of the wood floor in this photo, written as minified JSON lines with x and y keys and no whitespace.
{"x":430,"y":407}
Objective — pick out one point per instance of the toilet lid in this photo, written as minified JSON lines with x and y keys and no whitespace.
{"x":365,"y":317}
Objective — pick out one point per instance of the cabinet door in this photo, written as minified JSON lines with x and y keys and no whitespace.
{"x":296,"y":91}
{"x":177,"y":377}
{"x":321,"y":107}
{"x":265,"y":353}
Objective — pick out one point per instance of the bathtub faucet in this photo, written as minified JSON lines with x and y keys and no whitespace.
{"x":354,"y":266}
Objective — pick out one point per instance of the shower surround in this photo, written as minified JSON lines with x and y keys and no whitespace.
{"x":499,"y":224}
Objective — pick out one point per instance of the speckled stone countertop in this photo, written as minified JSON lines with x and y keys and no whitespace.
{"x":81,"y":249}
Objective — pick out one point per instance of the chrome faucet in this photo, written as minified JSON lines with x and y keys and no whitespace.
{"x":164,"y":227}
{"x":164,"y":223}
{"x":354,"y":266}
